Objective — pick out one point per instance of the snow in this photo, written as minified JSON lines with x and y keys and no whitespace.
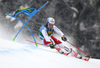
{"x":18,"y":25}
{"x":17,"y":55}
{"x":13,"y":19}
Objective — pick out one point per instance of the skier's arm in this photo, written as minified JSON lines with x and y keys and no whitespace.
{"x":58,"y":31}
{"x":47,"y":39}
{"x":45,"y":35}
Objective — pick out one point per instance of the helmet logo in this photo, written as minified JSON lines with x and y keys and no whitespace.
{"x":52,"y":21}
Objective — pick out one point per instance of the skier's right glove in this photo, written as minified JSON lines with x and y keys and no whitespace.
{"x":52,"y":45}
{"x":64,"y":38}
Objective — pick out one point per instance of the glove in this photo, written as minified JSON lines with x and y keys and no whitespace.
{"x":52,"y":45}
{"x":64,"y":38}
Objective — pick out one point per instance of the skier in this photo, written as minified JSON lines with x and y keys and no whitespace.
{"x":48,"y":39}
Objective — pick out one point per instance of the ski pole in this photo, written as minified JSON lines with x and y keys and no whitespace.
{"x":34,"y":42}
{"x":78,"y":49}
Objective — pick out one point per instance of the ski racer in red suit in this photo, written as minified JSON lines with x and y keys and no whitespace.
{"x":48,"y":39}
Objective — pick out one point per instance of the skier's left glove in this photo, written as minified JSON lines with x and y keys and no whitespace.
{"x":52,"y":45}
{"x":64,"y":38}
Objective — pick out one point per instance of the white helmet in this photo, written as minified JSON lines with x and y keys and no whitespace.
{"x":51,"y":20}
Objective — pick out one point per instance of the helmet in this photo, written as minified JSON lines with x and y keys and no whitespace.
{"x":51,"y":20}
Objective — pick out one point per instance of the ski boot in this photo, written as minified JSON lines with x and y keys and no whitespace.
{"x":79,"y":57}
{"x":83,"y":58}
{"x":66,"y":54}
{"x":59,"y":50}
{"x":86,"y":59}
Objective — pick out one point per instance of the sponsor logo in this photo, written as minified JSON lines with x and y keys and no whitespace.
{"x":52,"y":21}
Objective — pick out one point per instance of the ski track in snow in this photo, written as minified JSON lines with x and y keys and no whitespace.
{"x":16,"y":55}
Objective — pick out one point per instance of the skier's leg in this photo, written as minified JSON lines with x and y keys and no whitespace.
{"x":57,"y":47}
{"x":76,"y":54}
{"x":73,"y":53}
{"x":44,"y":42}
{"x":69,"y":50}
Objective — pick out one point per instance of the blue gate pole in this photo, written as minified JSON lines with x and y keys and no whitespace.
{"x":26,"y":22}
{"x":28,"y":29}
{"x":20,"y":29}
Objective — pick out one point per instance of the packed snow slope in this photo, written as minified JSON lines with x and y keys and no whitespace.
{"x":16,"y":55}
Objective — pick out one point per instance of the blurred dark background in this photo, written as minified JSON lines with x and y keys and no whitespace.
{"x":79,"y":19}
